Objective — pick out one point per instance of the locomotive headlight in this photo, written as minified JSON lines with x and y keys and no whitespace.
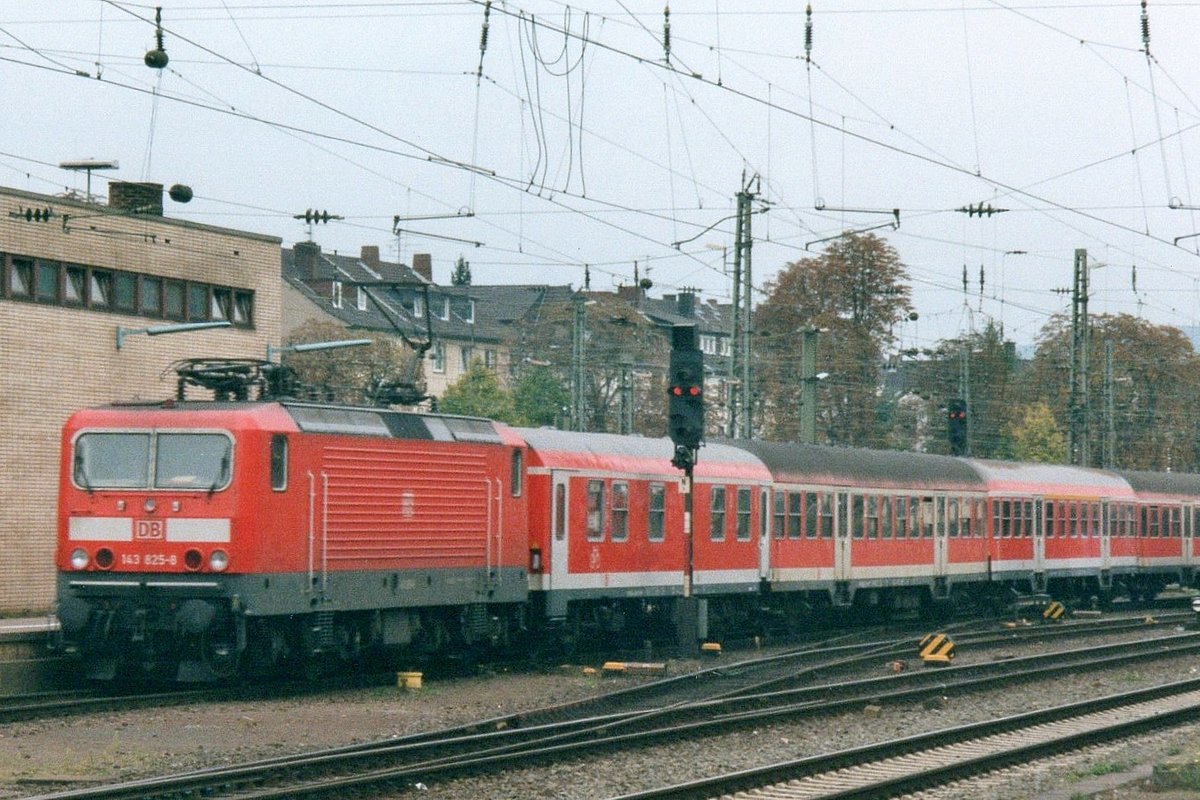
{"x":1196,"y":604}
{"x":79,"y":558}
{"x":218,"y":561}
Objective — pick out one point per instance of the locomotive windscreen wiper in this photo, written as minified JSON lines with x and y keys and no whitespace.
{"x":81,"y":471}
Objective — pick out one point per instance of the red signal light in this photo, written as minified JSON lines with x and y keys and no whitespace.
{"x":677,"y":391}
{"x":694,"y":391}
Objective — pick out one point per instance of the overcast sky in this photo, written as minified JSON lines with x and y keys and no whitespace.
{"x":581,"y":144}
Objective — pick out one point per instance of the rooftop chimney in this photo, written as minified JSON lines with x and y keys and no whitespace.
{"x":422,"y":264}
{"x":308,"y":259}
{"x":370,"y":256}
{"x":136,"y":198}
{"x":685,"y":305}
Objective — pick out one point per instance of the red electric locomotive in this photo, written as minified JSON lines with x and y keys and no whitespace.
{"x":199,"y":537}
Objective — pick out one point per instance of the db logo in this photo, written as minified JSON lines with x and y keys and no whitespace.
{"x":144,"y":529}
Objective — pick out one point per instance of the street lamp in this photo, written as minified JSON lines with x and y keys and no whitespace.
{"x":311,"y":346}
{"x":159,"y":330}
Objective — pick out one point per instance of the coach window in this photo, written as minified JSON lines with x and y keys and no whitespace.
{"x":279,"y":459}
{"x":779,"y":507}
{"x":901,"y":517}
{"x":885,"y":517}
{"x":517,"y":472}
{"x":595,"y":511}
{"x":871,"y":516}
{"x":620,"y":511}
{"x":796,"y":516}
{"x":717,"y":515}
{"x":928,"y":517}
{"x":1176,"y":523}
{"x":825,"y":515}
{"x":560,"y":511}
{"x":811,"y":515}
{"x":655,"y":524}
{"x":965,"y":507}
{"x":20,"y":277}
{"x":1048,"y":523}
{"x":952,"y":516}
{"x":856,"y":516}
{"x":743,"y":515}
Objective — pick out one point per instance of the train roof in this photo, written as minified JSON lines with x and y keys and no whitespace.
{"x":1063,"y":479}
{"x":609,"y":451}
{"x":1175,"y":484}
{"x":307,"y":417}
{"x":855,"y":466}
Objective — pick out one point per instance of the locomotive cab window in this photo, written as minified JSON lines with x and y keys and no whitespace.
{"x":517,"y":471}
{"x":143,"y":459}
{"x":279,"y":459}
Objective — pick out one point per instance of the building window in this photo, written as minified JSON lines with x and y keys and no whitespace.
{"x":620,"y":511}
{"x":151,"y":296}
{"x":595,"y":511}
{"x":20,"y":278}
{"x":125,"y":291}
{"x":337,"y":294}
{"x":197,"y":301}
{"x":46,"y":282}
{"x":489,"y":359}
{"x":466,"y":352}
{"x":717,"y":514}
{"x":173,"y":300}
{"x":657,"y":510}
{"x":221,"y":305}
{"x":438,"y":356}
{"x":75,"y":286}
{"x":362,"y":299}
{"x":100,"y":291}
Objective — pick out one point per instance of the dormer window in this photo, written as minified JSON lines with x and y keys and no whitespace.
{"x":362,"y":299}
{"x":337,"y":294}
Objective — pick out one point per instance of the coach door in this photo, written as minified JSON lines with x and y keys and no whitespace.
{"x":559,"y":525}
{"x":764,"y":534}
{"x":1107,"y":523}
{"x":1043,"y":518}
{"x":841,"y":540}
{"x":1189,"y":534}
{"x":940,"y":542}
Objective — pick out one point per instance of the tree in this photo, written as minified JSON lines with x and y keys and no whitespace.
{"x":618,"y":340}
{"x":1156,"y":378}
{"x":478,"y":393}
{"x":352,"y":374}
{"x":1037,"y":437}
{"x":462,"y":273}
{"x":994,"y":387}
{"x":539,"y":397}
{"x":856,"y":291}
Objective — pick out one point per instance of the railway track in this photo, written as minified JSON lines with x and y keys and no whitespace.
{"x":497,"y":747}
{"x":932,"y":759}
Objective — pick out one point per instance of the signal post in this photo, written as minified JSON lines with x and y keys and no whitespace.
{"x":685,"y":426}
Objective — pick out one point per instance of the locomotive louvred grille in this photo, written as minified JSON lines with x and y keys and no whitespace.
{"x":323,"y":626}
{"x":477,"y":620}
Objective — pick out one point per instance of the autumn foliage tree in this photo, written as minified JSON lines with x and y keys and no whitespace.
{"x":856,"y":291}
{"x":1155,"y":382}
{"x":352,"y":374}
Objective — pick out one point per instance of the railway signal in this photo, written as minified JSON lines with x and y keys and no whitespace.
{"x":685,"y":392}
{"x":956,"y":419}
